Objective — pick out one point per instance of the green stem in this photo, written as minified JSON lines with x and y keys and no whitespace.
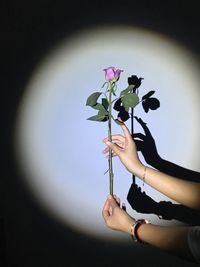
{"x":110,"y":138}
{"x":132,"y":132}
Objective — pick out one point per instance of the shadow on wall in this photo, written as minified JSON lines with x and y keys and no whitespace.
{"x":143,"y":203}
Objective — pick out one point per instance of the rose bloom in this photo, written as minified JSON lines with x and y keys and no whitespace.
{"x":112,"y":73}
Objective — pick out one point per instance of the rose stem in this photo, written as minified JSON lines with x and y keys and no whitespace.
{"x":132,"y":132}
{"x":110,"y":139}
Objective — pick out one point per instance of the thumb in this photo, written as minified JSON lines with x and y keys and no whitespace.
{"x":114,"y":147}
{"x":112,"y":201}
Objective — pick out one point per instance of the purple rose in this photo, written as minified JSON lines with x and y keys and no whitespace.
{"x":112,"y":73}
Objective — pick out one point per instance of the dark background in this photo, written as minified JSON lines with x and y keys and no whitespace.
{"x":28,"y":237}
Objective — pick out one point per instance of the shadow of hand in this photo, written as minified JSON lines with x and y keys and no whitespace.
{"x":139,"y":201}
{"x":146,"y":144}
{"x":166,"y":210}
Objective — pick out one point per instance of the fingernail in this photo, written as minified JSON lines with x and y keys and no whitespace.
{"x":110,"y":197}
{"x":107,"y":143}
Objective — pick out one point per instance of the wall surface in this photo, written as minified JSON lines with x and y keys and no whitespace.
{"x":30,"y":30}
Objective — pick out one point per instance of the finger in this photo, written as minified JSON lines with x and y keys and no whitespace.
{"x":112,"y":202}
{"x":106,"y":205}
{"x":106,"y":150}
{"x":113,"y":155}
{"x":126,"y":131}
{"x":111,"y":210}
{"x":105,"y":214}
{"x":116,"y":149}
{"x":115,"y":138}
{"x":117,"y":199}
{"x":105,"y":211}
{"x":124,"y":206}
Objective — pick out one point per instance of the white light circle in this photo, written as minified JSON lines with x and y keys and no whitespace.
{"x":60,"y":151}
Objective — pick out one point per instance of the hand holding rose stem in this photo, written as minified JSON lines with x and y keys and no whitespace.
{"x":128,"y":99}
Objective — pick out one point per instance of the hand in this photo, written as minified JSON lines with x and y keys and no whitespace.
{"x":125,"y":149}
{"x":115,"y":215}
{"x":146,"y":144}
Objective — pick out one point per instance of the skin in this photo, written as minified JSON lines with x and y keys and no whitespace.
{"x":169,"y":238}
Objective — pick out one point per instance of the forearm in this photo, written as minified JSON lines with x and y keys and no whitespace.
{"x":184,"y":192}
{"x":171,"y":239}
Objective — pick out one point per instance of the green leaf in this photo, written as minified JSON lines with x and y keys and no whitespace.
{"x":97,"y":118}
{"x":105,"y":103}
{"x":102,"y":113}
{"x":101,"y":109}
{"x":92,"y":99}
{"x":127,"y":90}
{"x":130,"y":101}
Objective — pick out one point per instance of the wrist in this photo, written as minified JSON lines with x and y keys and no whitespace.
{"x":135,"y":230}
{"x":129,"y":224}
{"x":139,"y":170}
